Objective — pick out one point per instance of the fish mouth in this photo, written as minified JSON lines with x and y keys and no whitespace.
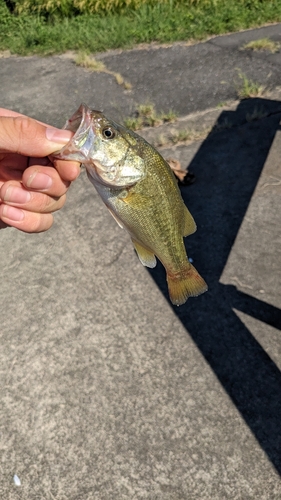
{"x":82,"y":119}
{"x":79,"y":119}
{"x":81,"y":144}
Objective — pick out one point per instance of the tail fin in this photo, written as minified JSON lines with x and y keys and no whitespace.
{"x":186,"y":284}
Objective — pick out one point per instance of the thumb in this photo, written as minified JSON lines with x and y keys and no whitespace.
{"x":26,"y":136}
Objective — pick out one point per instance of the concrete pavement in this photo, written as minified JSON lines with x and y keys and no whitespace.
{"x":107,"y":391}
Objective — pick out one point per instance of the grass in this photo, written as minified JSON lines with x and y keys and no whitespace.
{"x":263,"y":44}
{"x":89,"y":62}
{"x":223,"y":125}
{"x":247,"y":88}
{"x":221,"y":104}
{"x":146,"y":116}
{"x":181,"y":136}
{"x":257,"y":114}
{"x":86,"y":61}
{"x":93,"y":32}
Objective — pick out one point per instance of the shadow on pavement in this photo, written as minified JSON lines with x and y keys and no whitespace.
{"x":227,"y":167}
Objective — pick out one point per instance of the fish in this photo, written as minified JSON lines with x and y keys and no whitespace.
{"x":140,"y":191}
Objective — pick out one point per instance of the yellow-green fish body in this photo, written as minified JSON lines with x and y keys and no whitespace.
{"x":140,"y":190}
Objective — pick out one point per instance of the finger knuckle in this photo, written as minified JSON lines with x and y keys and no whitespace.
{"x":24,"y":128}
{"x":40,"y":223}
{"x":48,"y":204}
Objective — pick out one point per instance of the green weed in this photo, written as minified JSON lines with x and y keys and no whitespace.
{"x":54,"y":26}
{"x":248,"y":88}
{"x":223,"y":125}
{"x":146,"y":116}
{"x":257,"y":114}
{"x":77,"y":7}
{"x":89,"y":62}
{"x":180,"y":136}
{"x":86,"y":61}
{"x":263,"y":44}
{"x":221,"y":104}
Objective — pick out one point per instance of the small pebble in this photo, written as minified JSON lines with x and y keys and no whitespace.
{"x":16,"y":480}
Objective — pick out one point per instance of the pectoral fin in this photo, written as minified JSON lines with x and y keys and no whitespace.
{"x":135,"y":200}
{"x":146,"y":257}
{"x":189,"y":223}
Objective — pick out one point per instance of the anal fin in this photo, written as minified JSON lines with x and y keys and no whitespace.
{"x":146,"y":257}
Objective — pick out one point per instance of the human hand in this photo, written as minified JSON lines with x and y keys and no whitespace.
{"x":31,"y":189}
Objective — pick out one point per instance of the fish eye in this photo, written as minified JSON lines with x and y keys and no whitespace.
{"x":108,"y":133}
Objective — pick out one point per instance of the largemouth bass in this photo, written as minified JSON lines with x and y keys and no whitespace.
{"x":140,"y":191}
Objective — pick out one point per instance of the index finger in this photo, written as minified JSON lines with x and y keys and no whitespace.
{"x":68,"y":170}
{"x":13,"y":114}
{"x":9,"y":112}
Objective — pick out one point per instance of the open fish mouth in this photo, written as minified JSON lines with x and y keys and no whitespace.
{"x":80,"y":146}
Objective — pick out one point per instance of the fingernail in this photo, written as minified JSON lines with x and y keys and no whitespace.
{"x":17,"y":195}
{"x":58,"y":135}
{"x":39,"y":181}
{"x":12,"y":213}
